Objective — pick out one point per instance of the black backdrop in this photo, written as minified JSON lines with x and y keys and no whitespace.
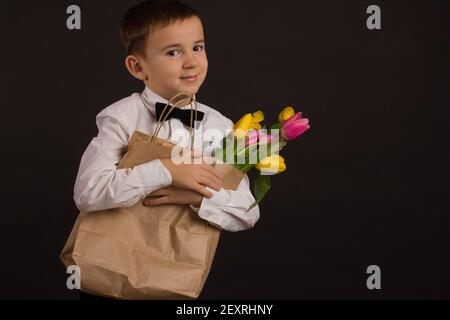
{"x":368,"y":184}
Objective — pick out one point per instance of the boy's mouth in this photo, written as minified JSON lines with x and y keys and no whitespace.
{"x":190,"y":78}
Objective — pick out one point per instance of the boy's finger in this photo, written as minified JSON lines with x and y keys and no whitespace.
{"x":156,"y":201}
{"x":209,"y":182}
{"x":216,"y":180}
{"x":159,"y":192}
{"x":208,"y":177}
{"x":202,"y":190}
{"x":196,"y":154}
{"x":212,"y":170}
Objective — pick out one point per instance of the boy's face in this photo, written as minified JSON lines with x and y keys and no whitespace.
{"x":176,"y":58}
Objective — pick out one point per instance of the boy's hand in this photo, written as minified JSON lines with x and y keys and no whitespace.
{"x":194,"y":177}
{"x":173,"y":195}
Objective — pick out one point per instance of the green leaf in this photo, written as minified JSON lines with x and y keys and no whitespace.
{"x":276,"y":126}
{"x":246,"y":168}
{"x":277,"y":146}
{"x":260,"y":188}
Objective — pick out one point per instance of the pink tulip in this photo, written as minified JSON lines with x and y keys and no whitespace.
{"x":253,"y":136}
{"x":294,"y":126}
{"x":266,"y":139}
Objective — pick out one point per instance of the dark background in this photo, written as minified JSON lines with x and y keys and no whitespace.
{"x":368,"y":184}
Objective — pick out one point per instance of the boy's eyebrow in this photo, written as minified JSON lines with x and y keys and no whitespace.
{"x":179,"y":45}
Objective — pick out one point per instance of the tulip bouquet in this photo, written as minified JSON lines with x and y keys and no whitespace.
{"x":252,"y":145}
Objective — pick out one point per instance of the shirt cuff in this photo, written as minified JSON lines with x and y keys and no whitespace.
{"x":154,"y":175}
{"x":208,"y":207}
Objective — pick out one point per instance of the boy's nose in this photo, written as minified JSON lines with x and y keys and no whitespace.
{"x":191,"y":61}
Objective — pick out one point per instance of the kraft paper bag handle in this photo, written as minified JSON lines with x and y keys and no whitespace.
{"x":164,"y":116}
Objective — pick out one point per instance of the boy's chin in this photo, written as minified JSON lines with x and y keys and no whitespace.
{"x":190,"y":90}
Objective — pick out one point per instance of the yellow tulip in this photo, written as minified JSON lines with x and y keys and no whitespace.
{"x":286,"y":114}
{"x":248,"y":121}
{"x":242,"y":126}
{"x":257,"y":116}
{"x":271,"y":165}
{"x":255,"y":126}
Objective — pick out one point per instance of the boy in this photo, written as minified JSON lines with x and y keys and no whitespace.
{"x":165,"y":48}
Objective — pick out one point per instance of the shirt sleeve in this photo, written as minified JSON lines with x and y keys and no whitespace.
{"x":227,"y":209}
{"x":100,"y":185}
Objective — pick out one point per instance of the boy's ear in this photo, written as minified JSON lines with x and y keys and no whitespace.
{"x":134,"y":66}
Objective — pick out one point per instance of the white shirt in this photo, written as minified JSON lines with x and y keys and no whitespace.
{"x":100,"y":185}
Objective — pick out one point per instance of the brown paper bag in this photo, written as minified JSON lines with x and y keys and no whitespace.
{"x":162,"y":252}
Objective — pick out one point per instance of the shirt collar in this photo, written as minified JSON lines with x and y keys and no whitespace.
{"x":150,"y":98}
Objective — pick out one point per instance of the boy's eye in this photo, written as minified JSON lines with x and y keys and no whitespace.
{"x":173,"y":53}
{"x":199,"y":48}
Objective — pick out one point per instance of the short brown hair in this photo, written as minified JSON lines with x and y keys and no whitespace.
{"x":141,"y":19}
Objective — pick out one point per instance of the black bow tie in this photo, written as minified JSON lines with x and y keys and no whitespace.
{"x":184,"y":115}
